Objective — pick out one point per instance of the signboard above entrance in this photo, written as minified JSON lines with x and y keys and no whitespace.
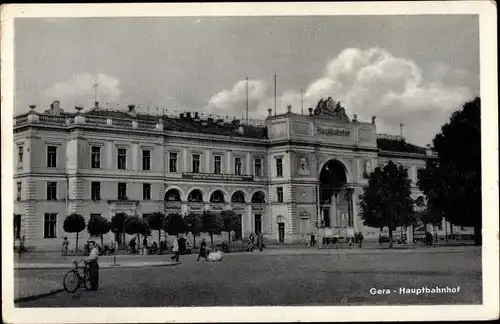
{"x":333,"y":131}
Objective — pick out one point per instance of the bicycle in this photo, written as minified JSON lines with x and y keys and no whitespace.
{"x":73,"y":279}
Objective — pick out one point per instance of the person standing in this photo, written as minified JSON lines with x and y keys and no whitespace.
{"x":203,"y":250}
{"x":64,"y":248}
{"x":175,"y":249}
{"x":260,"y":241}
{"x":92,"y":262}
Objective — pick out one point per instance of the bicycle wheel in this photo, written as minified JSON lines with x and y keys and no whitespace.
{"x":86,"y":281}
{"x":71,"y":281}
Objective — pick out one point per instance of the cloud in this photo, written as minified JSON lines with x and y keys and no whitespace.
{"x":233,"y":100}
{"x":369,"y":83}
{"x":80,"y":88}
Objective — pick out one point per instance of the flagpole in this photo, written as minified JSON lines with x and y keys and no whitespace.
{"x":274,"y":94}
{"x":246,"y":100}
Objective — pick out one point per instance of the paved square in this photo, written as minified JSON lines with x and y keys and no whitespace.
{"x":281,"y":278}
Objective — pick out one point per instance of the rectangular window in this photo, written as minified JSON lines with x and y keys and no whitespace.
{"x":51,"y":156}
{"x":51,"y":190}
{"x":237,"y":166}
{"x":20,"y":155}
{"x":146,"y":160}
{"x":173,"y":162}
{"x":122,"y":159}
{"x":258,"y":223}
{"x":95,"y":191}
{"x":96,"y":157}
{"x":19,"y":189}
{"x":146,"y":191}
{"x":122,"y":191}
{"x":217,"y":164}
{"x":279,"y":194}
{"x":49,"y":225}
{"x":258,"y":167}
{"x":196,"y":163}
{"x":279,"y":167}
{"x":17,"y":226}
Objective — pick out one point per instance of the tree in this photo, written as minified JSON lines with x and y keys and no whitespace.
{"x":231,"y":222}
{"x":386,"y":200}
{"x":155,"y":222}
{"x":452,"y":182}
{"x":193,"y":222}
{"x":175,"y":224}
{"x":98,"y":226}
{"x":136,"y":226}
{"x":118,"y":224}
{"x":211,"y":223}
{"x":74,"y":223}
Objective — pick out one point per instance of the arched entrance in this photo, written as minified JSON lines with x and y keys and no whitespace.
{"x":173,"y":202}
{"x":335,"y":196}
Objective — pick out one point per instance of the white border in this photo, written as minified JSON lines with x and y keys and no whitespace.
{"x":488,"y":71}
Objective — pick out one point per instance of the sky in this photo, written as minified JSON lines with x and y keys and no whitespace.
{"x":414,"y":70}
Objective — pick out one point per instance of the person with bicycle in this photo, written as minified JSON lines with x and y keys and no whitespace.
{"x":92,"y":262}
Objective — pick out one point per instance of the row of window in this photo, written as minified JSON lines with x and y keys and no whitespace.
{"x":95,"y":192}
{"x":50,"y":224}
{"x":146,"y":161}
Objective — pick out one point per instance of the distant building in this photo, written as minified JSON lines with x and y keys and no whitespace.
{"x":288,"y":177}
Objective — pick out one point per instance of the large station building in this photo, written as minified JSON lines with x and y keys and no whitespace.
{"x":291,"y":175}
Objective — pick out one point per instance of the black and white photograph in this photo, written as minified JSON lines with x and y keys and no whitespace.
{"x":194,"y":160}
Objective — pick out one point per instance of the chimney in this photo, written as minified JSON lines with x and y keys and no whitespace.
{"x":401,"y":130}
{"x":310,"y":111}
{"x":289,"y":108}
{"x":56,"y":107}
{"x":269,"y":112}
{"x":131,"y":110}
{"x":96,"y":105}
{"x":373,"y":119}
{"x":181,"y":115}
{"x":355,"y":118}
{"x":188,"y":115}
{"x":196,"y":116}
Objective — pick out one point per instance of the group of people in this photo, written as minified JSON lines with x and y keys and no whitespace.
{"x":256,"y":240}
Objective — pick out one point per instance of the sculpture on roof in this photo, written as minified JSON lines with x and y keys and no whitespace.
{"x":330,"y":108}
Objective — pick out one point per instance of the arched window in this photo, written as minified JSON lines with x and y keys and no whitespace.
{"x":172,"y":195}
{"x":258,"y":198}
{"x":217,"y":197}
{"x":195,"y":196}
{"x":238,"y":197}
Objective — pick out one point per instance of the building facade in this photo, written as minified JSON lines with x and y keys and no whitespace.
{"x":288,"y":177}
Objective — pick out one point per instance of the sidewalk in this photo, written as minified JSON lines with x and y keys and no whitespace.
{"x":54,"y":260}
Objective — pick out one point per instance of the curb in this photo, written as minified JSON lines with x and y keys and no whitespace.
{"x":66,"y":267}
{"x":35,"y":297}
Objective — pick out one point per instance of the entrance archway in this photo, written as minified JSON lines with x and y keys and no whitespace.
{"x":335,"y":196}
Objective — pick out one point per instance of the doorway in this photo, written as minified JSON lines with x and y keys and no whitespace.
{"x":281,"y":233}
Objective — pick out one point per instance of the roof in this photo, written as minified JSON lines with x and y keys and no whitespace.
{"x":399,"y":146}
{"x":189,"y":124}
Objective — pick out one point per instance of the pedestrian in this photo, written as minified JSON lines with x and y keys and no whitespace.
{"x":175,"y":249}
{"x":260,"y":241}
{"x":380,"y":239}
{"x":145,"y":244}
{"x":203,"y":250}
{"x":313,"y":240}
{"x":360,"y":238}
{"x":252,"y":238}
{"x":93,"y":266}
{"x":64,"y":248}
